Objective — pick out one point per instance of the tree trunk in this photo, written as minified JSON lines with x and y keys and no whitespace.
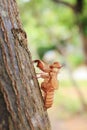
{"x":21,"y":102}
{"x":84,"y":40}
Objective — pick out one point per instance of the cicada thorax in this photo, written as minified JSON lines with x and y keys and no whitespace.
{"x":45,"y":85}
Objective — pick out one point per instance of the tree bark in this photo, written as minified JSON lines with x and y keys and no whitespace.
{"x":21,"y":102}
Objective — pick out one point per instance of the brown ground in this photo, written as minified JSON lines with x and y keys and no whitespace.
{"x":75,"y":123}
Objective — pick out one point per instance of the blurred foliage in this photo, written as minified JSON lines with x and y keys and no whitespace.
{"x":42,"y":50}
{"x":75,"y":60}
{"x":66,"y":99}
{"x":47,"y":24}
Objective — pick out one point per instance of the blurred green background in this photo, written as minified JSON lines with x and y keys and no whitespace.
{"x":57,"y":31}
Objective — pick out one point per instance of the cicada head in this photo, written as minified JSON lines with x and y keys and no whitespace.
{"x":56,"y":65}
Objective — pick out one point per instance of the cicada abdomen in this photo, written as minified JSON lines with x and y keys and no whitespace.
{"x":49,"y":99}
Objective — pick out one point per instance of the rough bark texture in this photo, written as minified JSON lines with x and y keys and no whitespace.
{"x":21,"y":103}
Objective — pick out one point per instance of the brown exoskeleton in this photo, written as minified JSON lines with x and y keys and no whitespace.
{"x":50,"y":82}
